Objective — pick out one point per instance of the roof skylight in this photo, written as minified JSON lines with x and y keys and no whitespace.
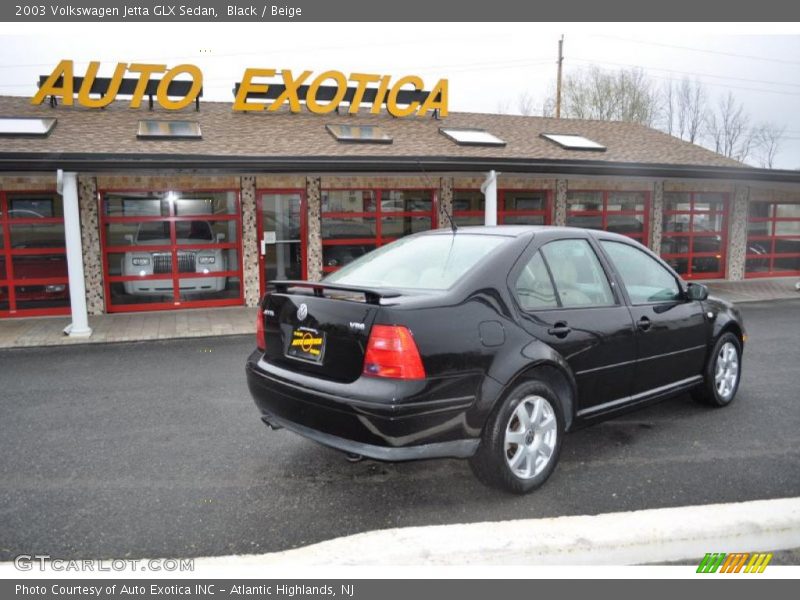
{"x":471,"y":137}
{"x":154,"y":129}
{"x":571,"y":141}
{"x":364,"y":134}
{"x":26,"y":126}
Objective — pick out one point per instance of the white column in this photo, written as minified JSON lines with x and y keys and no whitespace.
{"x":489,"y":189}
{"x":72,"y":234}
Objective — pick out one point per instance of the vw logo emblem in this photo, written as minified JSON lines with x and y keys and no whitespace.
{"x":302,"y":312}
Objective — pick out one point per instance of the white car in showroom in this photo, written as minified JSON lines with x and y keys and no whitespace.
{"x":143,"y":262}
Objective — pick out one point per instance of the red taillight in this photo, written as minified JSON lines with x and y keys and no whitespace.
{"x":261,"y":340}
{"x":392,"y":352}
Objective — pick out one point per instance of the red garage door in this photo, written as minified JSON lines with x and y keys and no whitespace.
{"x":33,"y":262}
{"x":167,"y":250}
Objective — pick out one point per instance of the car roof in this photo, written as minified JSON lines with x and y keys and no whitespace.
{"x":521,"y":230}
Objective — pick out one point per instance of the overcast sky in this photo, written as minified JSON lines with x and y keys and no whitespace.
{"x":486,"y":64}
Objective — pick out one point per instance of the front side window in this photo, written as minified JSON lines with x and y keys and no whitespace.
{"x":579,"y":278}
{"x":645,"y":279}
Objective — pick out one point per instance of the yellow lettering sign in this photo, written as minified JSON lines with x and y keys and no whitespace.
{"x":379,"y":90}
{"x":385,"y":93}
{"x":66,"y":91}
{"x":163,"y":86}
{"x":248,"y":86}
{"x":49,"y":88}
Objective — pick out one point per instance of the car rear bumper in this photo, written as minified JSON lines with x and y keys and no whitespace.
{"x":378,"y":418}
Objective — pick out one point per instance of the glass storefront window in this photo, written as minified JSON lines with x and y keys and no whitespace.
{"x":334,"y":201}
{"x":514,"y":207}
{"x":171,"y":249}
{"x":693,"y":233}
{"x":349,"y":228}
{"x":619,"y":212}
{"x":773,"y":239}
{"x":33,"y":266}
{"x":280,"y":219}
{"x":355,"y":222}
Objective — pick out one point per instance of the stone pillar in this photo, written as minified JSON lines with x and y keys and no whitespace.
{"x":656,"y":224}
{"x":560,"y":208}
{"x":90,"y":244}
{"x":250,"y":264}
{"x":445,"y":202}
{"x":737,"y":234}
{"x":314,"y":239}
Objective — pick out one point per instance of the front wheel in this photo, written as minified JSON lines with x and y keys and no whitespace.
{"x":521,"y":442}
{"x":722,"y":373}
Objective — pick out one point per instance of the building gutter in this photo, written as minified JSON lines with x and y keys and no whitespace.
{"x":22,"y":162}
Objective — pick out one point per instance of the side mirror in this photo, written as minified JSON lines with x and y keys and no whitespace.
{"x":220,"y":237}
{"x":129,"y":238}
{"x":696,"y":291}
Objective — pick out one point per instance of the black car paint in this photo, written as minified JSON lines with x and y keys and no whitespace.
{"x":476,"y":342}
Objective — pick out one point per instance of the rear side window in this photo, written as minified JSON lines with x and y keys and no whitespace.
{"x":433,"y":262}
{"x":645,"y":278}
{"x":534,"y":287}
{"x":577,"y":273}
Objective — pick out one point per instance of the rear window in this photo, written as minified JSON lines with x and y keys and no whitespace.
{"x":432,"y":262}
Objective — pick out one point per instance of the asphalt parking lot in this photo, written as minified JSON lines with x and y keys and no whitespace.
{"x":155,"y":449}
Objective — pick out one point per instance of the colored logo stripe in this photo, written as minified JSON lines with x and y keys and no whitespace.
{"x":733,"y":563}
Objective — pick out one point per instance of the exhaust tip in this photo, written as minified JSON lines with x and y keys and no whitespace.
{"x":353,"y":457}
{"x":270,"y":424}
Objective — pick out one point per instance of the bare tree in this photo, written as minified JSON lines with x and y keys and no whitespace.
{"x":526,"y":104}
{"x":684,"y":109}
{"x":625,"y":95}
{"x":549,"y":106}
{"x":691,"y":109}
{"x":503,"y":107}
{"x":767,"y":138}
{"x":729,"y":129}
{"x":668,"y":108}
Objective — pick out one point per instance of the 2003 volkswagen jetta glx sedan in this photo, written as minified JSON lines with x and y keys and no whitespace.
{"x":487,"y":343}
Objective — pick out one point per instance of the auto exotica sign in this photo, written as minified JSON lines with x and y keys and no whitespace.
{"x":301,"y":91}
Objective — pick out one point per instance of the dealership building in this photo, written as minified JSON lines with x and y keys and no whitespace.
{"x":160,"y":209}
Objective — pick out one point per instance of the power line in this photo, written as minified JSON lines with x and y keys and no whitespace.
{"x":733,"y":87}
{"x":691,"y":49}
{"x":295,"y":50}
{"x":797,"y":85}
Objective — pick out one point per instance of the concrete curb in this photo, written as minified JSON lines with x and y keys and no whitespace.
{"x":625,"y":538}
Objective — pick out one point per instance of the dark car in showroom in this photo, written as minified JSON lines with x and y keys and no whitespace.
{"x":487,"y":343}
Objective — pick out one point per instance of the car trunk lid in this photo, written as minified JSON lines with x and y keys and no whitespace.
{"x":320,"y":329}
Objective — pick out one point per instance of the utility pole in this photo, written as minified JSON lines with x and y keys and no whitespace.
{"x":558,"y":81}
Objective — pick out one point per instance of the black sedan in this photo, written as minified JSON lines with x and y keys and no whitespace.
{"x":487,"y":343}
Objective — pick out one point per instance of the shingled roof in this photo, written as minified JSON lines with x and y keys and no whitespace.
{"x":226,"y":133}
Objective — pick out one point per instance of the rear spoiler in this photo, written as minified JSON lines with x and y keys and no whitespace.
{"x":372,"y":295}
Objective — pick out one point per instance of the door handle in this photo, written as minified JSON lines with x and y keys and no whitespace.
{"x":644,"y":323}
{"x":560,"y":329}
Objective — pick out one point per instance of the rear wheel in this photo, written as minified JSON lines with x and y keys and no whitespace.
{"x":521,"y":442}
{"x":722,"y":373}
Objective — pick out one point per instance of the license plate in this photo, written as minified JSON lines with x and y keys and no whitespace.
{"x":307,"y":344}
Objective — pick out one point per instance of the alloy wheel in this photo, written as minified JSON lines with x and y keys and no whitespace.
{"x":726,"y":371}
{"x":530,"y":437}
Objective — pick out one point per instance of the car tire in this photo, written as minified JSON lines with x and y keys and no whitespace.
{"x":722,"y":373}
{"x":515,"y":456}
